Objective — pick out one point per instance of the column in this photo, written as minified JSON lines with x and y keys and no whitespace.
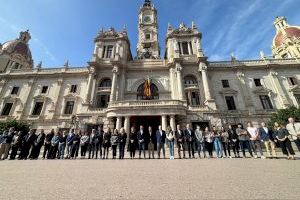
{"x":279,"y":90}
{"x":114,"y":84}
{"x":127,"y":124}
{"x":179,"y":81}
{"x":172,"y":122}
{"x":172,"y":83}
{"x":164,"y":122}
{"x":119,"y":123}
{"x":245,"y":93}
{"x":203,"y":70}
{"x":89,"y":86}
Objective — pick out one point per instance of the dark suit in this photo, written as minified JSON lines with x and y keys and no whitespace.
{"x":47,"y":146}
{"x":179,"y":135}
{"x":100,"y":144}
{"x":37,"y":145}
{"x":160,"y":140}
{"x":141,"y":141}
{"x":189,"y":139}
{"x":151,"y":141}
{"x":93,"y":145}
{"x":26,"y":146}
{"x":132,"y":144}
{"x":122,"y":143}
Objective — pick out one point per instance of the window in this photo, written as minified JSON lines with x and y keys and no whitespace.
{"x":15,"y":90}
{"x":292,"y":80}
{"x":103,"y":53}
{"x":195,"y":99}
{"x":16,"y":65}
{"x":73,"y":89}
{"x":179,"y":46}
{"x":225,"y":83}
{"x":297,"y":97}
{"x":44,"y":89}
{"x":230,"y":103}
{"x":69,"y":107}
{"x":285,"y":55}
{"x":105,"y":83}
{"x":148,"y":37}
{"x":102,"y":101}
{"x":190,"y":80}
{"x":185,"y":48}
{"x":257,"y":82}
{"x":37,"y":108}
{"x":6,"y":109}
{"x":109,"y":51}
{"x":266,"y":102}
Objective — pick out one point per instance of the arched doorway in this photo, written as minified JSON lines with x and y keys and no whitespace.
{"x":154,"y":95}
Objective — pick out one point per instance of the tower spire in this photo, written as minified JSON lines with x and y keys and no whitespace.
{"x":147,"y":3}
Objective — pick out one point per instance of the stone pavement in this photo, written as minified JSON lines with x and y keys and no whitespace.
{"x":150,"y":179}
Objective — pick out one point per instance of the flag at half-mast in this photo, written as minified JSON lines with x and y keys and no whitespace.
{"x":147,"y":89}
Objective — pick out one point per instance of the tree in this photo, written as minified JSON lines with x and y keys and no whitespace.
{"x":282,"y":115}
{"x":19,"y":126}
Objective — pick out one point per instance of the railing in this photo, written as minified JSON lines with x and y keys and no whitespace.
{"x":146,"y":103}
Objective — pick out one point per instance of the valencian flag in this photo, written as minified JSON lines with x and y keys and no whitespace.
{"x":147,"y":89}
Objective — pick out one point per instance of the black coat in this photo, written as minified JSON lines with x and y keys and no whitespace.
{"x":179,"y":136}
{"x":151,"y":138}
{"x":141,"y":137}
{"x":160,"y":138}
{"x":189,"y":137}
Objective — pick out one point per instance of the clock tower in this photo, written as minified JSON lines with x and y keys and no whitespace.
{"x":148,"y":47}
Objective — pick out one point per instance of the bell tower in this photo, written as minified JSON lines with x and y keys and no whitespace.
{"x":148,"y":47}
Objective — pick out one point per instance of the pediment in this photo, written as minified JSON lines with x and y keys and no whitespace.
{"x":11,"y":97}
{"x":41,"y":97}
{"x":71,"y":96}
{"x":262,"y":90}
{"x":226,"y":91}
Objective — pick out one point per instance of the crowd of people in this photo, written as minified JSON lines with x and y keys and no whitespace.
{"x":227,"y":143}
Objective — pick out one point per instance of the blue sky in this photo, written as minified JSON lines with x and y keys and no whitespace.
{"x":65,"y":29}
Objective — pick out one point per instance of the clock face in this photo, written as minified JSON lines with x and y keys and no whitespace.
{"x":147,"y":19}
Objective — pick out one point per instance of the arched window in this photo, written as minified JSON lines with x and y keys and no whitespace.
{"x":154,"y":92}
{"x":190,"y":80}
{"x":105,"y":83}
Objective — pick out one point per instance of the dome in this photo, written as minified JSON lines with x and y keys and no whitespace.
{"x":291,"y":32}
{"x":17,"y":47}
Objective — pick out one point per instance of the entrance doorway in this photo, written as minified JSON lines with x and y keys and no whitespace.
{"x":146,"y":121}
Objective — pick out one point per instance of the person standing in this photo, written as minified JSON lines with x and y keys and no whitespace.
{"x":54,"y":146}
{"x":122,"y":142}
{"x":151,"y":140}
{"x":179,"y":135}
{"x":132,"y":143}
{"x":47,"y":143}
{"x":100,"y":134}
{"x":200,"y":141}
{"x":75,"y":145}
{"x":189,"y":139}
{"x":265,"y":135}
{"x":209,"y":141}
{"x":7,"y":138}
{"x":84,"y":143}
{"x":294,"y":130}
{"x":170,"y":138}
{"x":161,"y":139}
{"x":225,"y":142}
{"x":217,"y":142}
{"x":93,"y":144}
{"x":141,"y":141}
{"x":255,"y":142}
{"x":106,"y":143}
{"x":16,"y":144}
{"x":244,"y":140}
{"x":234,"y":141}
{"x":69,"y":143}
{"x":37,"y":145}
{"x":114,"y":143}
{"x":282,"y":135}
{"x":62,"y":145}
{"x":27,"y":143}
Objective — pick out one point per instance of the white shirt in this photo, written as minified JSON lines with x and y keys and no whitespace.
{"x":252,"y":131}
{"x":294,"y":129}
{"x":266,"y":129}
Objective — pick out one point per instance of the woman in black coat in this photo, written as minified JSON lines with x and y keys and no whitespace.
{"x":37,"y":145}
{"x":132,"y":142}
{"x":122,"y":142}
{"x":106,"y":143}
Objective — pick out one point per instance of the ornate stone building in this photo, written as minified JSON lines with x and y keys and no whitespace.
{"x":118,"y":90}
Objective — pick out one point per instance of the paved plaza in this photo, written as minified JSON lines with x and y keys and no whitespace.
{"x":150,"y":179}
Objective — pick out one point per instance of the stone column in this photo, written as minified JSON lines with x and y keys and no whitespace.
{"x":279,"y":90}
{"x":119,"y":123}
{"x":164,"y":122}
{"x":90,"y":84}
{"x":172,"y":83}
{"x":114,"y":84}
{"x":203,"y":70}
{"x":179,"y":81}
{"x":245,"y":93}
{"x":127,"y":124}
{"x":172,"y":122}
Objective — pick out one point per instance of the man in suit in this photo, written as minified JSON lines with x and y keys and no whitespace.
{"x":27,"y":144}
{"x":7,"y":138}
{"x":37,"y":145}
{"x":160,"y":139}
{"x":294,"y":130}
{"x":189,"y":139}
{"x":100,"y":133}
{"x":93,"y":144}
{"x":179,"y":136}
{"x":151,"y":141}
{"x":70,"y":139}
{"x":265,"y":135}
{"x":141,"y":141}
{"x":47,"y":143}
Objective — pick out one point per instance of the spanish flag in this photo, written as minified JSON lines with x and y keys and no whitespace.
{"x":147,"y":89}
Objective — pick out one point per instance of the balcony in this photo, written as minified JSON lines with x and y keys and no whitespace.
{"x":104,"y":89}
{"x":150,"y":103}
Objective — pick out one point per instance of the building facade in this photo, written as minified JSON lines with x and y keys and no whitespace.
{"x":117,"y":90}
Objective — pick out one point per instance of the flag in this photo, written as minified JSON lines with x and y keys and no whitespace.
{"x":147,"y":89}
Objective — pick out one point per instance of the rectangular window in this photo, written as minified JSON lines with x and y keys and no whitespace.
{"x":195,"y":99}
{"x":179,"y":46}
{"x":225,"y":83}
{"x":44,"y":89}
{"x":103,"y":52}
{"x":73,"y":89}
{"x":297,"y":97}
{"x":37,"y":108}
{"x":185,"y":48}
{"x":257,"y":82}
{"x":102,"y":101}
{"x":266,"y":102}
{"x":15,"y":90}
{"x":109,"y":51}
{"x":191,"y":47}
{"x":6,"y":109}
{"x":148,"y":36}
{"x":292,"y":80}
{"x":230,"y":103}
{"x":69,"y":107}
